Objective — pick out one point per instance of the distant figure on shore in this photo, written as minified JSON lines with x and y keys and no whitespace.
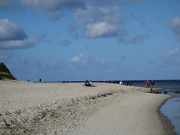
{"x":65,"y":82}
{"x":147,"y":83}
{"x":130,"y":83}
{"x":104,"y":81}
{"x":152,"y":84}
{"x":121,"y":83}
{"x":40,"y":80}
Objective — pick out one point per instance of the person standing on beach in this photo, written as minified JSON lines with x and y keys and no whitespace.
{"x":147,"y":83}
{"x":121,"y":83}
{"x":130,"y":83}
{"x":152,"y":84}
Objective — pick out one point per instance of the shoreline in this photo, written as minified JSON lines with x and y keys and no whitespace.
{"x":119,"y":118}
{"x":53,"y":108}
{"x":167,"y":125}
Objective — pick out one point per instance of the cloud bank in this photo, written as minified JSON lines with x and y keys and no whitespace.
{"x":92,"y":18}
{"x":115,"y":1}
{"x":54,"y":8}
{"x":11,"y":36}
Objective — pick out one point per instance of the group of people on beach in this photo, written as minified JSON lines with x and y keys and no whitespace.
{"x":129,"y":83}
{"x":148,"y":83}
{"x":88,"y":83}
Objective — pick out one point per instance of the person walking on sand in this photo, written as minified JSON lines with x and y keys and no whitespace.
{"x":147,"y":83}
{"x":152,"y":84}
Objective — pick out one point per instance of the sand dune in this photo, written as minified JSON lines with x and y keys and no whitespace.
{"x":70,"y":108}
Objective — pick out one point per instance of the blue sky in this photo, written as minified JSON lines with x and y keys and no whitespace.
{"x":90,"y":39}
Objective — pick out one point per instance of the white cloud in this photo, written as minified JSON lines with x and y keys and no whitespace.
{"x":97,"y":22}
{"x":175,"y":26}
{"x":76,"y":59}
{"x":11,"y":36}
{"x":101,"y":29}
{"x":173,"y":52}
{"x":10,"y":31}
{"x":81,"y":58}
{"x":83,"y":62}
{"x":28,"y":42}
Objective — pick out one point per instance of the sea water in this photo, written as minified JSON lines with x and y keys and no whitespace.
{"x":171,"y":108}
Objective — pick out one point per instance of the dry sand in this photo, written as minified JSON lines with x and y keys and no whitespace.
{"x":72,"y":109}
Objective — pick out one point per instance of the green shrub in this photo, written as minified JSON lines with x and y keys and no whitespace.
{"x":5,"y":73}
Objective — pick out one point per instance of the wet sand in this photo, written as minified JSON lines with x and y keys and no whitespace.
{"x":73,"y":109}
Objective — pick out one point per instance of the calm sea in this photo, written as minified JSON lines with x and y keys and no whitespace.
{"x":171,"y":108}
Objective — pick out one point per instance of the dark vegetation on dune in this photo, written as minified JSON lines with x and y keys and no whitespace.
{"x":5,"y":74}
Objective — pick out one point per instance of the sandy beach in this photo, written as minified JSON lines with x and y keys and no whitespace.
{"x":72,"y":109}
